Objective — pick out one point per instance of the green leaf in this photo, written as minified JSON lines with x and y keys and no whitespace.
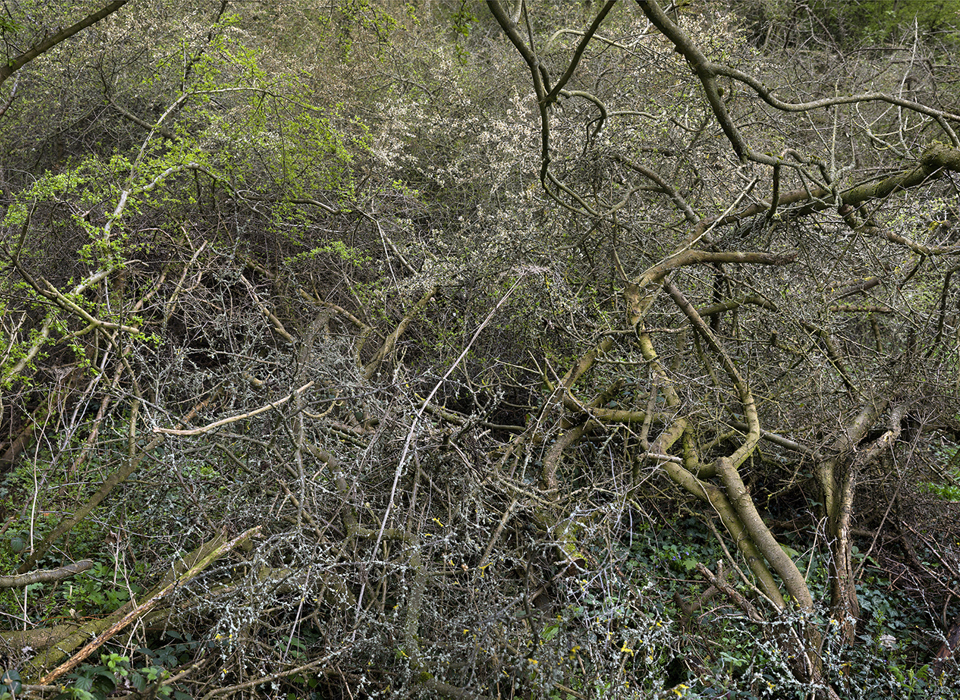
{"x":138,"y":681}
{"x":790,"y":551}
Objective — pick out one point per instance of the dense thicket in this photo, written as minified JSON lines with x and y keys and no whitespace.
{"x":460,"y":349}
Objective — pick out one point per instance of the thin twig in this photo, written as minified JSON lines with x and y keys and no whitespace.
{"x":234,"y":419}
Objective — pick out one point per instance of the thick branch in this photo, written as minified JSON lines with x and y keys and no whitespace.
{"x":388,"y":345}
{"x":578,"y":52}
{"x":704,"y":490}
{"x":727,"y":467}
{"x":46,"y":575}
{"x":15,"y":64}
{"x":707,"y":74}
{"x":144,"y":608}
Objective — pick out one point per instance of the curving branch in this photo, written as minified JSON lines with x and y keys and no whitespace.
{"x":707,"y":72}
{"x":727,"y":467}
{"x":767,"y":96}
{"x":664,"y":186}
{"x":701,"y":489}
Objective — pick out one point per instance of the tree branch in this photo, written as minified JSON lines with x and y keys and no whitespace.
{"x":46,"y":575}
{"x":13,"y":65}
